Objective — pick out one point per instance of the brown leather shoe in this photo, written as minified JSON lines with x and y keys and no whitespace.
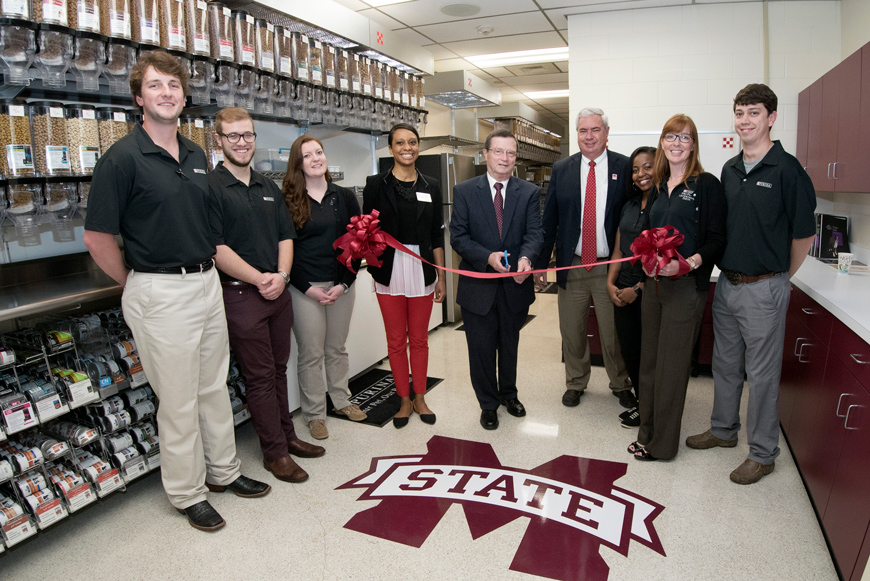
{"x":707,"y":440}
{"x":305,"y":450}
{"x":286,"y":469}
{"x":751,"y":472}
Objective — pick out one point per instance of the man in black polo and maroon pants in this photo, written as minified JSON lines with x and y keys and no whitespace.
{"x":254,"y":236}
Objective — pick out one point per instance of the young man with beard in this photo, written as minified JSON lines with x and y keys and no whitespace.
{"x":151,"y":188}
{"x":254,"y":236}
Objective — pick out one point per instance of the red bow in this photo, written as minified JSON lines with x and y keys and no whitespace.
{"x":364,"y":240}
{"x":657,"y":247}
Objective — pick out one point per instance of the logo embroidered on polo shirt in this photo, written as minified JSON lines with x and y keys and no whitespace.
{"x":268,"y":199}
{"x":572,"y":499}
{"x":613,"y":177}
{"x":197,"y":170}
{"x":687,"y":195}
{"x":764,"y":184}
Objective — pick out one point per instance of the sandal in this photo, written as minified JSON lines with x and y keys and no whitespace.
{"x":634,"y":447}
{"x":643,"y":454}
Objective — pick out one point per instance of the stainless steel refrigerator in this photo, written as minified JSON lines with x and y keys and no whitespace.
{"x":450,"y":169}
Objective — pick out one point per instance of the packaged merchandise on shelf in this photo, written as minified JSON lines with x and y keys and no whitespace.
{"x":15,"y":524}
{"x":84,"y":15}
{"x":173,"y":28}
{"x":51,"y":449}
{"x":6,"y":471}
{"x":75,"y":433}
{"x":114,"y":422}
{"x":72,"y":485}
{"x":7,"y":356}
{"x":136,"y":396}
{"x":45,"y":398}
{"x":100,"y":473}
{"x":196,"y":20}
{"x":22,"y":458}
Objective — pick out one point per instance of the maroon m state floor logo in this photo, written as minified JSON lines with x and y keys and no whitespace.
{"x":571,"y":502}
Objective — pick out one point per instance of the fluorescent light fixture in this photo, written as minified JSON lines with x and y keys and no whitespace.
{"x":547,"y":94}
{"x":523,"y":57}
{"x":377,"y":3}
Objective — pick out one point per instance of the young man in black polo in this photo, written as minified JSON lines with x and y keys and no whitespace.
{"x":770,"y":228}
{"x":254,"y":236}
{"x":151,"y":188}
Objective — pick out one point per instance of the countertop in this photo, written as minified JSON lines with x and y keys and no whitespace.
{"x":846,"y":296}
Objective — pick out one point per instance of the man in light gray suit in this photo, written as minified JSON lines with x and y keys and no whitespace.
{"x":496,"y":227}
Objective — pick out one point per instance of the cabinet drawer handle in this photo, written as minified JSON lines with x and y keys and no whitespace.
{"x":839,"y":401}
{"x":849,"y":411}
{"x":797,"y":343}
{"x":835,"y":170}
{"x":829,"y":171}
{"x":801,"y":353}
{"x":807,"y":311}
{"x":854,"y":357}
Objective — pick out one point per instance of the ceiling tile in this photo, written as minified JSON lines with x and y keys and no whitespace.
{"x":503,"y":26}
{"x":541,"y":87}
{"x":499,"y":72}
{"x":537,"y":79}
{"x":423,"y":12}
{"x":382,"y":19}
{"x":352,"y":4}
{"x":548,"y":4}
{"x":506,"y":44}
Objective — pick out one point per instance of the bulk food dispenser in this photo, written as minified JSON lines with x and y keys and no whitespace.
{"x":17,"y":48}
{"x":55,"y":52}
{"x":61,"y":196}
{"x":89,"y":58}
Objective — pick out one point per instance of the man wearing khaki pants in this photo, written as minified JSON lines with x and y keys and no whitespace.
{"x":151,"y":188}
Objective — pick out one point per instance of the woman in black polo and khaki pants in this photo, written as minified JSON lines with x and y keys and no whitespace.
{"x":409,"y":204}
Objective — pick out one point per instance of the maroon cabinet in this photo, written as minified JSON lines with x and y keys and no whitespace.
{"x":833,"y":125}
{"x":825,"y":414}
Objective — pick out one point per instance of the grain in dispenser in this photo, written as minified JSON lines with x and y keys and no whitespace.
{"x":264,"y":35}
{"x":17,"y":48}
{"x":49,"y":138}
{"x":114,"y":123}
{"x":83,"y":137}
{"x":84,"y":15}
{"x":243,"y":37}
{"x":116,"y":18}
{"x":173,"y":28}
{"x":196,"y":19}
{"x":15,"y":138}
{"x":220,"y":31}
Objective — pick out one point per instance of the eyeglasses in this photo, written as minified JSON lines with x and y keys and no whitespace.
{"x":234,"y":137}
{"x":682,"y":137}
{"x":501,"y":152}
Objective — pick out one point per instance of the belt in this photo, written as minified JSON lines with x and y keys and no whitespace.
{"x":202,"y":267}
{"x":736,"y":278}
{"x":235,"y":283}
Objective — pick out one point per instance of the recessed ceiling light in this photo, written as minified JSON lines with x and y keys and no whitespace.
{"x":459,"y":10}
{"x":377,"y":3}
{"x":506,"y":59}
{"x":547,"y":94}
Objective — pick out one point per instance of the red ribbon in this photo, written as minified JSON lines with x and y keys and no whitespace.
{"x":657,"y":247}
{"x":366,"y":240}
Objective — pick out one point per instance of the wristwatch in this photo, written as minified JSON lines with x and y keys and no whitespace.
{"x":346,"y":288}
{"x":285,"y":276}
{"x":636,"y":290}
{"x":692,"y":263}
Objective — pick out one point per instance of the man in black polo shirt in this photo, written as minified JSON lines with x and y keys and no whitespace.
{"x":770,"y":229}
{"x":151,"y":188}
{"x":254,"y":236}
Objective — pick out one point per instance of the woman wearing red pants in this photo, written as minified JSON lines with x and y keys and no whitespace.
{"x":410,"y":210}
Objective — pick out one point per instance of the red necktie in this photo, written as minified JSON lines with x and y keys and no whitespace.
{"x":498,"y":203}
{"x":588,"y":250}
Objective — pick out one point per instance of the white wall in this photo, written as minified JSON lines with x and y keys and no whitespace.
{"x":642,"y":66}
{"x":855,"y":16}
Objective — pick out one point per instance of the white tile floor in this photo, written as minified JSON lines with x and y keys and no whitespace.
{"x":710,"y":529}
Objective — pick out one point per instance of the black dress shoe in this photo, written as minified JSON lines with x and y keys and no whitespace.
{"x":203,"y":516}
{"x":514,"y":407}
{"x":243,"y":486}
{"x":305,"y":450}
{"x":571,"y":397}
{"x":626,"y":398}
{"x":489,"y":419}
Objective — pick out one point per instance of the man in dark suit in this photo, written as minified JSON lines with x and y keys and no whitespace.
{"x":493,"y":214}
{"x":584,"y":204}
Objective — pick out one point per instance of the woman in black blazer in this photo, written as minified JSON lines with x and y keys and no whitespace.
{"x":409,"y":204}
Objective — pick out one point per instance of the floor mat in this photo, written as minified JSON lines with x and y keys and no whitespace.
{"x":375,"y":393}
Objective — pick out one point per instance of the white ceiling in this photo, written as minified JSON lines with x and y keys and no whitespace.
{"x":517,"y":25}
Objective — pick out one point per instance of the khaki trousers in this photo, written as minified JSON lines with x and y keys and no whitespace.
{"x":180,"y":330}
{"x":582,"y":288}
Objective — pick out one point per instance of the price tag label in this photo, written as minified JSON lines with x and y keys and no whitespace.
{"x":108,"y":482}
{"x":89,"y":114}
{"x":19,"y":417}
{"x":56,"y":112}
{"x":135,"y":468}
{"x":82,"y":392}
{"x":154,"y":461}
{"x":119,"y":117}
{"x":49,"y":513}
{"x":241,"y":416}
{"x":50,"y":407}
{"x":80,"y":496}
{"x":18,"y":529}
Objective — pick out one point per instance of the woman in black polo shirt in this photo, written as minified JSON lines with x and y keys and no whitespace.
{"x":694,"y":203}
{"x":624,"y":279}
{"x":322,"y":287}
{"x":409,"y":204}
